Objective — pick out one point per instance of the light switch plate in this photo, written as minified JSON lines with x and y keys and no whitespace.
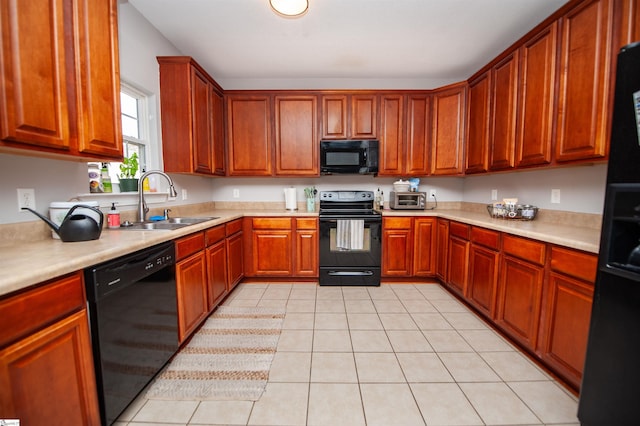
{"x":555,"y":196}
{"x":494,"y":195}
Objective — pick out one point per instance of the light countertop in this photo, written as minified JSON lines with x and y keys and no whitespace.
{"x":27,"y":263}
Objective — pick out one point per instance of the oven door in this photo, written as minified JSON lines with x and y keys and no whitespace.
{"x":350,"y":264}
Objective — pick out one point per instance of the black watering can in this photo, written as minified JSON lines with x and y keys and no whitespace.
{"x":75,"y":227}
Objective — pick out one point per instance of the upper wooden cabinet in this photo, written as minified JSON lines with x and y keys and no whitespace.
{"x":349,"y":116}
{"x":478,"y":124}
{"x":586,"y":62}
{"x":296,"y":136}
{"x":192,"y":118}
{"x":404,"y":134}
{"x":536,"y":104}
{"x":504,"y":98}
{"x":61,"y":60}
{"x":448,"y":127}
{"x":630,"y":22}
{"x":249,"y":135}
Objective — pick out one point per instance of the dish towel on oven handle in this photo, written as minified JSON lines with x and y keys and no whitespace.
{"x":350,"y":234}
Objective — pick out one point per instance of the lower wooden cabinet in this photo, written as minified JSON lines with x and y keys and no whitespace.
{"x":217,"y":272}
{"x":458,"y":255}
{"x":281,"y":247}
{"x":46,"y":362}
{"x":235,"y":253}
{"x":442,"y":250}
{"x":484,"y":256}
{"x":408,"y":246}
{"x":192,"y":289}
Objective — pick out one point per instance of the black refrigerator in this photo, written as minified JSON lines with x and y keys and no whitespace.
{"x":610,"y":391}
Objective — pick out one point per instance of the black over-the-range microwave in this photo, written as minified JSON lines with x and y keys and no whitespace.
{"x":349,"y":157}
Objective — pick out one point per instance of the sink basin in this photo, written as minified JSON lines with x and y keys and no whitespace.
{"x":189,"y":220}
{"x":170,"y":224}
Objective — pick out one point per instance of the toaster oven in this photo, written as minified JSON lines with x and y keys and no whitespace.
{"x":407,"y":200}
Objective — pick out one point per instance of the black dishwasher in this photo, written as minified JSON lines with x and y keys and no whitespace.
{"x":134,"y":323}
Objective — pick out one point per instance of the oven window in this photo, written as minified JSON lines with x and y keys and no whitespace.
{"x":352,"y":245}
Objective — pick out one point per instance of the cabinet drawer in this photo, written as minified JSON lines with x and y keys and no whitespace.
{"x":39,"y":307}
{"x":397,"y":222}
{"x":233,"y":226}
{"x":485,"y":237}
{"x":532,"y":251}
{"x":306,"y":223}
{"x":459,"y":230}
{"x":188,"y":245}
{"x":574,"y":263}
{"x":271,"y":223}
{"x":215,"y":234}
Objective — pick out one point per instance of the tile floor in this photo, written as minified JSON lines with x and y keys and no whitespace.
{"x":398,"y":354}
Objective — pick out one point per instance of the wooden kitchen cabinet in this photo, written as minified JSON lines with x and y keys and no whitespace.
{"x":192,"y":118}
{"x":630,"y":22}
{"x":478,"y":124}
{"x":424,"y":246}
{"x":235,"y":253}
{"x":416,"y":153}
{"x":62,"y":82}
{"x":520,"y":289}
{"x":586,"y":81}
{"x":217,"y":274}
{"x":306,"y":248}
{"x":349,"y":116}
{"x":191,"y":283}
{"x":296,"y":136}
{"x":392,"y":150}
{"x":448,"y":129}
{"x":458,"y":255}
{"x":442,"y":250}
{"x":484,"y":256}
{"x":565,"y":327}
{"x":46,"y":361}
{"x":249,"y":135}
{"x":537,"y":96}
{"x":397,"y":246}
{"x":504,"y":99}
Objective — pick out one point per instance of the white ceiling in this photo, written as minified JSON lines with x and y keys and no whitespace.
{"x":344,"y":44}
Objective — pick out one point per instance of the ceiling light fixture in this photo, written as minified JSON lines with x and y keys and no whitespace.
{"x":289,"y":8}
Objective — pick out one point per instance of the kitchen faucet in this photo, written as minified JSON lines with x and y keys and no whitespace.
{"x":142,"y":205}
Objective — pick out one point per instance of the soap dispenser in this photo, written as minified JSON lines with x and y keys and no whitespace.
{"x":113,"y":217}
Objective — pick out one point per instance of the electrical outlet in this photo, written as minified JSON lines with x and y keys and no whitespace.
{"x":494,"y":195}
{"x":236,"y":193}
{"x":185,"y":194}
{"x":555,"y":196}
{"x":432,"y":193}
{"x":26,"y":198}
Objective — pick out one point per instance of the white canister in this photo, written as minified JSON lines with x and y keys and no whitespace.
{"x":290,"y":199}
{"x":58,"y":210}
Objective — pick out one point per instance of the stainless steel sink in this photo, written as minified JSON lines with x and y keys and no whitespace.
{"x":169,"y":224}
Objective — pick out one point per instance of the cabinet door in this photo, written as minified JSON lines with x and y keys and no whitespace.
{"x":306,"y":253}
{"x":564,"y":341}
{"x":98,"y":78}
{"x":519,"y":295}
{"x":48,"y":377}
{"x":392,"y":154}
{"x":249,"y":135}
{"x":397,"y":245}
{"x":424,"y":252}
{"x":364,"y":116}
{"x":217,"y":273}
{"x":201,"y":120}
{"x":216,"y":120}
{"x":235,"y":261}
{"x":630,"y":22}
{"x":537,"y":96}
{"x":504,"y":99}
{"x":296,"y":140}
{"x":483,"y":278}
{"x":191,"y":278}
{"x":458,"y":264}
{"x":447,"y":133}
{"x":442,"y":252}
{"x":585,"y":81}
{"x":416,"y":155}
{"x":334,"y":117}
{"x":272,"y":252}
{"x":478,"y":124}
{"x":35,"y":106}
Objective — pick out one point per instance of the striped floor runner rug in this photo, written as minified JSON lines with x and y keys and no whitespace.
{"x":227,"y":359}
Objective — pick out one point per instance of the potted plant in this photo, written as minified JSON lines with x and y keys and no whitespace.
{"x":128,"y":170}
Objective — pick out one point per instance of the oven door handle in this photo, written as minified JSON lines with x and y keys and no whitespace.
{"x":351,"y":273}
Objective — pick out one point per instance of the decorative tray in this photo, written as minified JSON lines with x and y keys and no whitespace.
{"x":512,"y":211}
